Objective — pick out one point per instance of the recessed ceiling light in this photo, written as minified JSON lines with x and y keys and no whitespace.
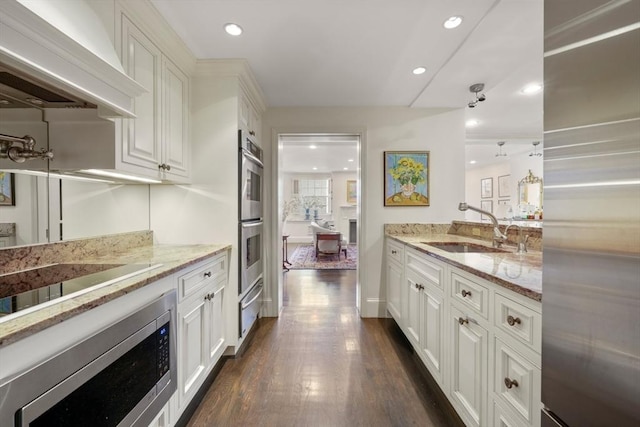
{"x":452,"y":22}
{"x":233,"y":29}
{"x":531,"y":88}
{"x":315,"y":168}
{"x":35,"y":101}
{"x":472,"y":162}
{"x":419,"y":70}
{"x":350,"y":160}
{"x":471,"y":123}
{"x":313,"y":147}
{"x":346,"y":169}
{"x":4,"y":102}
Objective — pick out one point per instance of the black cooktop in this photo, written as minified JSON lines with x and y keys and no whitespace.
{"x":25,"y":289}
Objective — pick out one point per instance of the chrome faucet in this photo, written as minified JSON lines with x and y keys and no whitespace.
{"x":498,"y":237}
{"x":522,"y":243}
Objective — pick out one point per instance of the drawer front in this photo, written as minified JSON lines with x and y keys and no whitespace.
{"x":518,"y":321}
{"x":471,"y":294}
{"x":427,"y":269}
{"x":517,"y":383}
{"x":395,"y":251}
{"x":202,"y":276}
{"x":502,"y":419}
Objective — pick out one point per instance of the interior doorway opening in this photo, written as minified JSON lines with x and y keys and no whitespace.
{"x":319,"y":193}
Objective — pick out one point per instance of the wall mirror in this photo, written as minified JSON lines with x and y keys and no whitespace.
{"x":530,"y":191}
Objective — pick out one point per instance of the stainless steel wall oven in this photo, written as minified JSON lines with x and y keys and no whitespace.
{"x":121,"y":376}
{"x":251,"y":178}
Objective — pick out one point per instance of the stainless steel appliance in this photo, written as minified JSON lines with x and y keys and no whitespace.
{"x":121,"y":376}
{"x":251,"y":178}
{"x":591,"y":272}
{"x":250,"y":233}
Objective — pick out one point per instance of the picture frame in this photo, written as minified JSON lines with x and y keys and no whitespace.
{"x":406,"y":178}
{"x":486,"y":205}
{"x":7,"y":189}
{"x":486,"y":188}
{"x":352,"y":191}
{"x":504,"y":187}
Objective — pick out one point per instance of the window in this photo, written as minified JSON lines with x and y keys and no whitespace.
{"x":314,"y":194}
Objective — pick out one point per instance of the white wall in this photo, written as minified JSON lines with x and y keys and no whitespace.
{"x":25,"y":212}
{"x":439,"y":131}
{"x":93,"y":209}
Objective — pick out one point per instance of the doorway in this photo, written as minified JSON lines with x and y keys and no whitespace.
{"x":318,"y":189}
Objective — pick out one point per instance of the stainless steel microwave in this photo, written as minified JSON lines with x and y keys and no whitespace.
{"x":121,"y":376}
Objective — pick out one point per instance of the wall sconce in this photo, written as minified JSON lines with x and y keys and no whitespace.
{"x":535,"y":153}
{"x":477,"y":88}
{"x":500,"y":153}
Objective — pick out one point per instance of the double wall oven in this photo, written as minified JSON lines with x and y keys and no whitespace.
{"x":251,"y":241}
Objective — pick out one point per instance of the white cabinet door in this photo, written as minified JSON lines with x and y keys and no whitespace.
{"x":216,"y":338}
{"x":412,"y":318}
{"x":394,"y":291}
{"x":432,"y":310}
{"x":175,"y":106}
{"x":469,"y":353}
{"x":193,"y":357}
{"x":141,"y":61}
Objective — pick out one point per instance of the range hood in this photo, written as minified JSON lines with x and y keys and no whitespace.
{"x":63,"y":44}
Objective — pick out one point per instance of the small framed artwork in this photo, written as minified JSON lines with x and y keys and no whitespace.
{"x":504,"y":189}
{"x":406,"y":178}
{"x":486,"y":205}
{"x":7,"y":189}
{"x":486,"y":188}
{"x":352,"y":192}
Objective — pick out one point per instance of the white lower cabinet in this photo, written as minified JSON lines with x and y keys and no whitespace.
{"x":480,"y":341}
{"x":469,"y":365}
{"x":201,"y":339}
{"x":163,"y":419}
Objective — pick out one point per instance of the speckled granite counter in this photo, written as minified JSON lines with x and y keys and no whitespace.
{"x":519,"y":273}
{"x":170,"y":258}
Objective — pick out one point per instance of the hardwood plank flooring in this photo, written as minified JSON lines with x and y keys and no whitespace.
{"x":320,"y":364}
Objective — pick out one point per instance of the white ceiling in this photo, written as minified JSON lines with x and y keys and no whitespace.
{"x":361,"y":53}
{"x":319,"y":154}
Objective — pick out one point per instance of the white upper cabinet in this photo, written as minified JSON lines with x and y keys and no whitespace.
{"x":157,"y":139}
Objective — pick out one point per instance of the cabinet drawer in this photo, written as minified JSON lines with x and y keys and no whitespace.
{"x":471,"y":294}
{"x":395,"y":251}
{"x":517,"y":383}
{"x":427,"y":269}
{"x":204,"y":275}
{"x":502,"y":419}
{"x":518,"y":321}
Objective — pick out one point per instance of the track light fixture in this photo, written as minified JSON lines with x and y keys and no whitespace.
{"x":500,"y":153}
{"x":476,"y":88}
{"x":535,"y":152}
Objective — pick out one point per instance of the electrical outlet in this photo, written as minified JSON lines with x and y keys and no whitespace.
{"x":475,"y":231}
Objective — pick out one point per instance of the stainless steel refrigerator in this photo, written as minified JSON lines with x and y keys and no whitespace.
{"x":591,"y":273}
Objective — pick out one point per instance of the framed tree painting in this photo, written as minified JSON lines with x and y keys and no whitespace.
{"x":406,"y":178}
{"x":352,"y":192}
{"x":486,"y":188}
{"x":504,"y":189}
{"x":7,"y":189}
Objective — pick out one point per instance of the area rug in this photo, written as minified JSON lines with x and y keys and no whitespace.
{"x":304,"y":258}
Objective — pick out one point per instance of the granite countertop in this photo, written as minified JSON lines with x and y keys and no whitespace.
{"x":521,"y":273}
{"x":169,"y":258}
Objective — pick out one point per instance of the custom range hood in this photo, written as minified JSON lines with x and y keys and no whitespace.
{"x":64,"y":45}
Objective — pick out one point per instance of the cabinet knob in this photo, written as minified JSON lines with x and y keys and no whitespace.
{"x":513,"y":320}
{"x":465,"y":293}
{"x":509,"y":383}
{"x":252,"y":133}
{"x":463,"y":321}
{"x":161,"y":166}
{"x":207,"y":274}
{"x":168,"y":167}
{"x":393,"y":252}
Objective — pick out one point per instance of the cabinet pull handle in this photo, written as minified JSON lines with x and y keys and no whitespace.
{"x":463,"y":321}
{"x":513,"y":320}
{"x":509,"y":383}
{"x":465,"y":293}
{"x":207,"y":274}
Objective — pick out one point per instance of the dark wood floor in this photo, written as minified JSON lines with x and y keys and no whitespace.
{"x":320,"y":364}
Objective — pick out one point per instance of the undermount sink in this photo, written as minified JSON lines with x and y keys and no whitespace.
{"x":461,"y":247}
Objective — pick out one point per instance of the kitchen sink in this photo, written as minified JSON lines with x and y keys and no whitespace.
{"x":461,"y":247}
